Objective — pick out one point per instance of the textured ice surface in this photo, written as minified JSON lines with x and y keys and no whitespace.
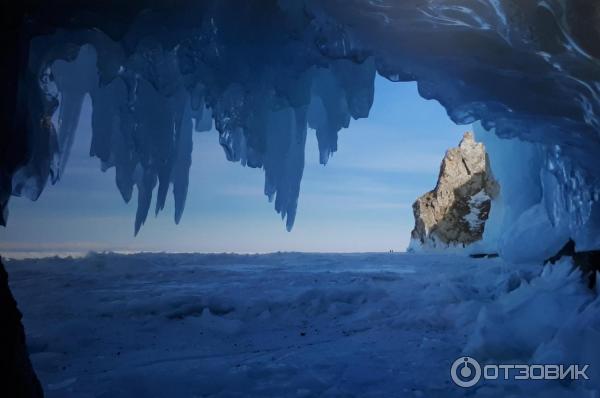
{"x":265,"y":70}
{"x":289,"y":325}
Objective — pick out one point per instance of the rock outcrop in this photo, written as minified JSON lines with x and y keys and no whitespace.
{"x":454,"y":213}
{"x":17,"y":377}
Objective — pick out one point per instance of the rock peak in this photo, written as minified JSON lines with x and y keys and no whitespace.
{"x":455,"y":211}
{"x":468,"y":136}
{"x":468,"y":139}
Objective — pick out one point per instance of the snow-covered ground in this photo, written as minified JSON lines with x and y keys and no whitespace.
{"x":297,"y":325}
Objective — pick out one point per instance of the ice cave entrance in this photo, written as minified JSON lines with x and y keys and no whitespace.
{"x":360,"y":201}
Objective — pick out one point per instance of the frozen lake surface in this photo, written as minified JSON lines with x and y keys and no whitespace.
{"x":276,"y":325}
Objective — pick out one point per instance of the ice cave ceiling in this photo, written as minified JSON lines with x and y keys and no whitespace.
{"x":265,"y":70}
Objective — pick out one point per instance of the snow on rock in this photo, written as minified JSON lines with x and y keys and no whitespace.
{"x":479,"y":207}
{"x":455,"y":211}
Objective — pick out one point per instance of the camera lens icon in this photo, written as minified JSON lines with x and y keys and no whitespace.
{"x":465,"y":372}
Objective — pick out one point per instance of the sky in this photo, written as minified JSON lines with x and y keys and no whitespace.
{"x":361,"y":201}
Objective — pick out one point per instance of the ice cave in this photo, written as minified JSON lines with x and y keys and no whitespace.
{"x":524,"y":76}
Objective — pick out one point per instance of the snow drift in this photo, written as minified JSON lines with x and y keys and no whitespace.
{"x":300,"y":325}
{"x":265,"y":71}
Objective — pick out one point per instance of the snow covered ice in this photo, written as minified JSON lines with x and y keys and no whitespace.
{"x":290,"y":324}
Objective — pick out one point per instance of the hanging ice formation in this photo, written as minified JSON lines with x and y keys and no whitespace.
{"x":264,"y":71}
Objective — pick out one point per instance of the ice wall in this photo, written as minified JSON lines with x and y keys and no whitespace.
{"x":264,"y":71}
{"x":541,"y":204}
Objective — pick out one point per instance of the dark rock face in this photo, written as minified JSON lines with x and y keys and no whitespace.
{"x":587,"y":261}
{"x":454,"y":213}
{"x":17,"y":377}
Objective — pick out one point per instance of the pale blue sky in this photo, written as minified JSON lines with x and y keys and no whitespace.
{"x":360,"y":201}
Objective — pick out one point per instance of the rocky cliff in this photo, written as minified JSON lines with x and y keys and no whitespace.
{"x":17,"y":377}
{"x":455,"y":211}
